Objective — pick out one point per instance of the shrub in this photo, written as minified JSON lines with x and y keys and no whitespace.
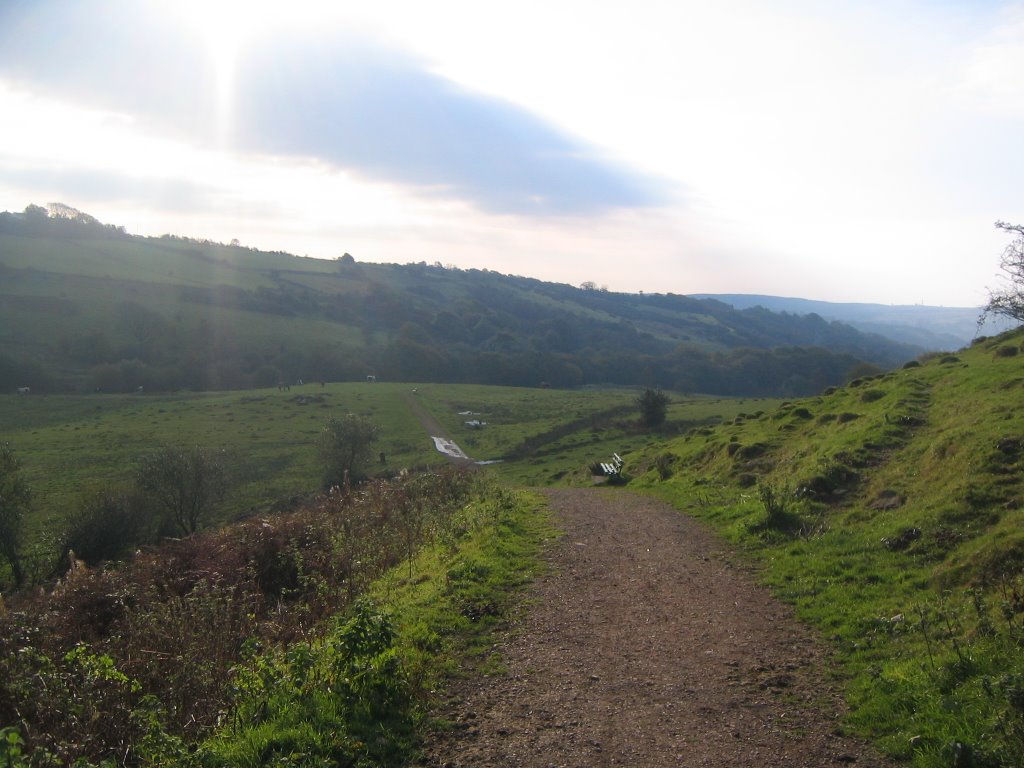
{"x":206,"y":599}
{"x":778,"y":517}
{"x":346,"y":445}
{"x":108,"y":525}
{"x":653,"y":405}
{"x":185,"y":484}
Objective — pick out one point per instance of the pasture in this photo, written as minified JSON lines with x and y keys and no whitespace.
{"x":70,"y":445}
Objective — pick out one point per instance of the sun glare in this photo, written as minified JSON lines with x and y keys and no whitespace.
{"x":224,"y":27}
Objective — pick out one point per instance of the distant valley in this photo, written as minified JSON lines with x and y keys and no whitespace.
{"x":932,"y":328}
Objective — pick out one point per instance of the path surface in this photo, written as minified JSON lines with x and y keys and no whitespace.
{"x":642,"y":646}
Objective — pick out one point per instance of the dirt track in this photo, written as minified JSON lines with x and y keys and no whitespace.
{"x":643,"y":646}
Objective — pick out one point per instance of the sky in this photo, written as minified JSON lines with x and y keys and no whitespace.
{"x":835,"y":150}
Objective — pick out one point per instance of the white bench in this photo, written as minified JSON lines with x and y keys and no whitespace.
{"x":614,"y":467}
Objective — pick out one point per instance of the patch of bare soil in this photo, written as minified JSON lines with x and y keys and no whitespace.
{"x":643,"y":646}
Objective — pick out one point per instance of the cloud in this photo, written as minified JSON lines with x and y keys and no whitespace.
{"x":348,"y":103}
{"x":111,"y":54}
{"x":81,"y":187}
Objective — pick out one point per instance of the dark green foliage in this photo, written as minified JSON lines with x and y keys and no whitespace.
{"x":15,"y":498}
{"x":653,"y":405}
{"x":274,"y":316}
{"x":346,"y":447}
{"x":343,"y":701}
{"x":109,"y":524}
{"x":184,"y":484}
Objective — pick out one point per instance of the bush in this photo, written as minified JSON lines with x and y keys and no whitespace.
{"x":343,"y":701}
{"x":108,"y":525}
{"x":112,"y":641}
{"x":346,"y":445}
{"x":184,"y":484}
{"x":653,"y":405}
{"x":778,"y":517}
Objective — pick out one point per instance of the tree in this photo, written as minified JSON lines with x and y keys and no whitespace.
{"x":183,"y":483}
{"x":345,"y":446}
{"x":653,"y":405}
{"x":15,"y":497}
{"x":1010,"y":301}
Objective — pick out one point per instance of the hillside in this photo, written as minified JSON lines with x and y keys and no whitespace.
{"x":934,"y":328}
{"x":889,"y":512}
{"x":85,"y":306}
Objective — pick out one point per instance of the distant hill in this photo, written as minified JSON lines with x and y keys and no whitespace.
{"x":85,"y":306}
{"x":933,"y":328}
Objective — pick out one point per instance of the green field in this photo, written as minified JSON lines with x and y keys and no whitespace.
{"x":70,"y":445}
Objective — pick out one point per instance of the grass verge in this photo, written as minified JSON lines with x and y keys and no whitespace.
{"x":889,"y":512}
{"x":360,"y":696}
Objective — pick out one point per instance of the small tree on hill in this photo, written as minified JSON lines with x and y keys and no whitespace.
{"x":653,"y":405}
{"x":1010,"y":301}
{"x":183,"y":483}
{"x":346,"y":446}
{"x":15,"y":497}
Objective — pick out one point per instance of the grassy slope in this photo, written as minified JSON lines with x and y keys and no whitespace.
{"x":943,"y":440}
{"x":71,"y":444}
{"x":58,"y":291}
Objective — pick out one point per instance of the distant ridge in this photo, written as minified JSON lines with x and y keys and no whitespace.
{"x":933,"y":328}
{"x":84,"y":306}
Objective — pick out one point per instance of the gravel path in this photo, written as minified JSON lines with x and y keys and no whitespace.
{"x":643,"y":646}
